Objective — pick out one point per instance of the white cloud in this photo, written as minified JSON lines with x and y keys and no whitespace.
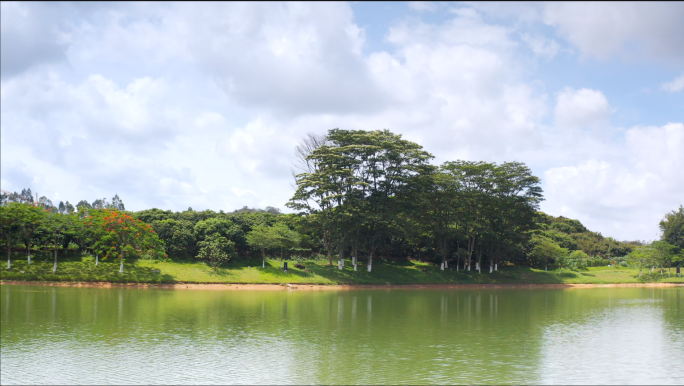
{"x":541,"y":46}
{"x":675,"y":86}
{"x":29,"y":38}
{"x":624,"y":196}
{"x":581,"y":108}
{"x":602,"y":29}
{"x":640,"y":30}
{"x":422,"y":6}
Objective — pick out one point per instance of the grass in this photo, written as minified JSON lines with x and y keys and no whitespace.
{"x":246,"y":271}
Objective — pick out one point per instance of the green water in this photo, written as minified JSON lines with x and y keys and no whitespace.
{"x":61,"y":335}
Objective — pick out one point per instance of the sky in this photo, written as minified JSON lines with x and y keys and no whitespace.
{"x":177,"y":105}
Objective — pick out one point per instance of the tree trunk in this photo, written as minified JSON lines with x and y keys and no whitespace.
{"x":340,"y":262}
{"x":479,"y":261}
{"x":97,"y":259}
{"x":640,"y":269}
{"x":546,"y":269}
{"x":54,"y":269}
{"x":354,"y":255}
{"x":496,"y":267}
{"x":471,"y":247}
{"x":28,"y":250}
{"x":370,"y":259}
{"x":263,"y":258}
{"x":9,"y":253}
{"x":328,"y":247}
{"x":121,"y":267}
{"x":491,"y":267}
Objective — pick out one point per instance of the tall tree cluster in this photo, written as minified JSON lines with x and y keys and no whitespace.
{"x":374,"y":192}
{"x":100,"y":232}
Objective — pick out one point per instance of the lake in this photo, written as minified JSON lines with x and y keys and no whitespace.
{"x":65,"y":335}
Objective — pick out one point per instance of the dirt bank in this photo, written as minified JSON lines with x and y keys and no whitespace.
{"x":316,"y":287}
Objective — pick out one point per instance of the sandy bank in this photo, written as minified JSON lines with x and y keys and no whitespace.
{"x":318,"y":287}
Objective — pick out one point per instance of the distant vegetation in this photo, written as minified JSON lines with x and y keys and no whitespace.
{"x":359,"y":195}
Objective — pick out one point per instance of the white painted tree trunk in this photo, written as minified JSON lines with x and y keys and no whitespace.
{"x":457,"y":267}
{"x":54,"y":269}
{"x":9,"y":265}
{"x":491,"y":268}
{"x":441,"y":267}
{"x":369,"y":267}
{"x":340,"y":264}
{"x":477,"y":266}
{"x":29,"y":259}
{"x":97,"y":260}
{"x":546,"y":269}
{"x":496,"y":266}
{"x":121,"y":268}
{"x":446,"y":264}
{"x":355,"y":267}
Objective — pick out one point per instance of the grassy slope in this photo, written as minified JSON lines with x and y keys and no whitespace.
{"x":246,"y":271}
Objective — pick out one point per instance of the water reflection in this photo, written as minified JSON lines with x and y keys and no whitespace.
{"x":105,"y":336}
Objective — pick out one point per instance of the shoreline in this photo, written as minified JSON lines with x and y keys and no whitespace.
{"x":322,"y":287}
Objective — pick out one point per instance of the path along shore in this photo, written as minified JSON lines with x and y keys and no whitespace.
{"x":318,"y":287}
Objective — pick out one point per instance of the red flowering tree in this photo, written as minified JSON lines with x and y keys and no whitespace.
{"x":124,"y":235}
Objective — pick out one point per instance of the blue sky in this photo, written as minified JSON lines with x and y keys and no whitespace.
{"x":173,"y":105}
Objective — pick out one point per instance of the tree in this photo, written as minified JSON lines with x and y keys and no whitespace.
{"x":437,"y":197}
{"x":477,"y":184}
{"x":545,"y":251}
{"x":56,"y":226}
{"x":216,"y":250}
{"x":90,"y":230}
{"x":31,"y":218}
{"x":287,"y":238}
{"x":640,"y":257}
{"x":178,"y":236}
{"x":125,"y":235}
{"x":117,"y":204}
{"x":663,"y":254}
{"x":263,"y":237}
{"x":355,"y":182}
{"x":672,"y":227}
{"x":562,"y":259}
{"x":83,"y":204}
{"x":11,"y":220}
{"x":578,"y":260}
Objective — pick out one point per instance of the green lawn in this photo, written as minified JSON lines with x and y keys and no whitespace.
{"x":316,"y":272}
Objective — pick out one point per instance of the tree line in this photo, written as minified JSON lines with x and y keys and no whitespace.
{"x":359,"y":196}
